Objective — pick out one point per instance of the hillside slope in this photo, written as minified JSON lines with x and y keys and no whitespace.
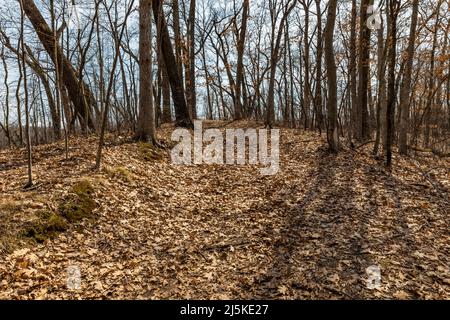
{"x":222,"y":232}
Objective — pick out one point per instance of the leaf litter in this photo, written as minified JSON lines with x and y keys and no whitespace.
{"x":225,"y":232}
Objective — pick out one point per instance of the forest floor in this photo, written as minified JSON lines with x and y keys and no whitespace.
{"x":161,"y":231}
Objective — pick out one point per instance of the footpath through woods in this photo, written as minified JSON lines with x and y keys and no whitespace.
{"x":225,"y":232}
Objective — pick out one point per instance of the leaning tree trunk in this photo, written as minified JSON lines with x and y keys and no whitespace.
{"x":5,"y":83}
{"x":75,"y":89}
{"x":182,"y":116}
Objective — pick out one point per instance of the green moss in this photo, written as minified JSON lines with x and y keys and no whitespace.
{"x":56,"y":223}
{"x":83,"y":188}
{"x":78,"y":205}
{"x":48,"y":225}
{"x":37,"y":234}
{"x":119,"y":172}
{"x":123,"y":173}
{"x":11,"y":206}
{"x":148,"y":152}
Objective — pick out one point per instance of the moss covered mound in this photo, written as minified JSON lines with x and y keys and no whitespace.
{"x":121,"y":173}
{"x":76,"y":206}
{"x":48,"y":225}
{"x":83,"y":188}
{"x":79,"y":204}
{"x":148,"y":152}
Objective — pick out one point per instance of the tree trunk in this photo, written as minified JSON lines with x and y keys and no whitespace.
{"x":332,"y":132}
{"x":306,"y":59}
{"x":146,"y":120}
{"x":191,"y":86}
{"x":177,"y":38}
{"x":352,"y":66}
{"x":318,"y":94}
{"x":406,"y":83}
{"x":274,"y":56}
{"x":6,"y":113}
{"x":75,"y":89}
{"x":364,"y":61}
{"x":393,"y":9}
{"x":18,"y":100}
{"x":166,"y":114}
{"x":182,"y":116}
{"x":381,"y":78}
{"x":291,"y":81}
{"x":431,"y":81}
{"x":238,"y":112}
{"x":26,"y":103}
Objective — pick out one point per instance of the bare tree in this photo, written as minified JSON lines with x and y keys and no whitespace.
{"x":406,"y":83}
{"x":182,"y":116}
{"x":238,"y":111}
{"x":352,"y":69}
{"x":146,"y":119}
{"x":363,"y":130}
{"x":69,"y":76}
{"x":306,"y":60}
{"x":381,"y":101}
{"x":26,"y":103}
{"x":332,"y":131}
{"x":117,"y":40}
{"x":393,"y":10}
{"x":318,"y":93}
{"x":5,"y":127}
{"x":275,"y":11}
{"x":190,"y":75}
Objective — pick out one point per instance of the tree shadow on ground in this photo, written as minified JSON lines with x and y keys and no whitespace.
{"x":326,"y":243}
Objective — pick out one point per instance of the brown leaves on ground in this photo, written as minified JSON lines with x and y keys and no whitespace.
{"x":226,"y":232}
